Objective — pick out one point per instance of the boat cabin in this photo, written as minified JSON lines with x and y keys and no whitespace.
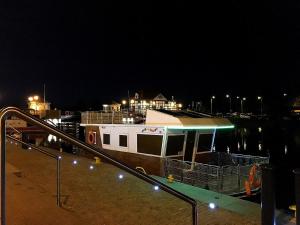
{"x":165,"y":134}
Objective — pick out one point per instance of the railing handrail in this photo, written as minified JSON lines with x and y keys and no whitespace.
{"x":33,"y":147}
{"x":9,"y":126}
{"x":56,"y":157}
{"x":8,"y":111}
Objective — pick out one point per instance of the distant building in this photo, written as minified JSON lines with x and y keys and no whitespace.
{"x":140,"y":105}
{"x":296,"y":105}
{"x":113,"y":107}
{"x":41,"y":109}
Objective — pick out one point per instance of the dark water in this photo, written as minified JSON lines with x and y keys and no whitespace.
{"x":277,"y":139}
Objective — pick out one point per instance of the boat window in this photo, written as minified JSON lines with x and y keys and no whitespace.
{"x":149,"y":144}
{"x":175,"y":145}
{"x":204,"y":143}
{"x":106,"y":139}
{"x":123,"y":140}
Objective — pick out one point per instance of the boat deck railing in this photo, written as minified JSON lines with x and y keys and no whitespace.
{"x":226,"y":174}
{"x":101,"y":117}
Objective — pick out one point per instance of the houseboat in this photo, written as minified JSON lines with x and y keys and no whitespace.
{"x":168,"y":143}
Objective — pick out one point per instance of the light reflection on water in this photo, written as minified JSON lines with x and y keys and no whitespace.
{"x":257,"y":138}
{"x":280,"y":141}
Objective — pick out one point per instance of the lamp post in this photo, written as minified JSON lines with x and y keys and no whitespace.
{"x":261,"y":104}
{"x":237,"y":102}
{"x":242,"y":100}
{"x":211,"y":104}
{"x":228,"y":96}
{"x":124,"y":103}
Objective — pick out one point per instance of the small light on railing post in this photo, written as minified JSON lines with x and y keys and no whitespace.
{"x":120,"y":176}
{"x":91,"y":167}
{"x":212,"y":205}
{"x":75,"y":162}
{"x":156,"y":188}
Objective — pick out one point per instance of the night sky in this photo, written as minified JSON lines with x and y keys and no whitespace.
{"x":90,"y":53}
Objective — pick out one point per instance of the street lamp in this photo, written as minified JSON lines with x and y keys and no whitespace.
{"x":228,"y":96}
{"x":211,"y":103}
{"x":124,"y":103}
{"x":242,"y":100}
{"x":237,"y":102}
{"x":261,"y":104}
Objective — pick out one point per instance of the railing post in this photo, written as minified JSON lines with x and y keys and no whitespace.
{"x":297,"y":194}
{"x":58,"y":181}
{"x":3,"y":159}
{"x":267,"y":196}
{"x":239,"y":177}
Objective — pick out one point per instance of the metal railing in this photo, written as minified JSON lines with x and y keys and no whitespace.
{"x":226,"y":173}
{"x":9,"y":111}
{"x":91,"y":117}
{"x":56,"y":157}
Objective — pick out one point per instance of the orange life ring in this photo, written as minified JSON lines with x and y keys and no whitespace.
{"x":252,"y":180}
{"x":91,"y":138}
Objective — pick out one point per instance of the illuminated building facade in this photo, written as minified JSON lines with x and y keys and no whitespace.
{"x":140,"y":105}
{"x":38,"y":107}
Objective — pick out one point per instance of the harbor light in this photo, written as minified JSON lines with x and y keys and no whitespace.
{"x":228,"y":96}
{"x":156,"y":188}
{"x":212,"y":205}
{"x":258,"y":97}
{"x":285,"y":149}
{"x":244,"y":99}
{"x":124,"y":102}
{"x":30,"y":99}
{"x":211,"y":103}
{"x":36,"y":97}
{"x":180,"y":105}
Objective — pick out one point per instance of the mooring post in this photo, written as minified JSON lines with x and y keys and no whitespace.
{"x":297,"y":194}
{"x":267,"y":196}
